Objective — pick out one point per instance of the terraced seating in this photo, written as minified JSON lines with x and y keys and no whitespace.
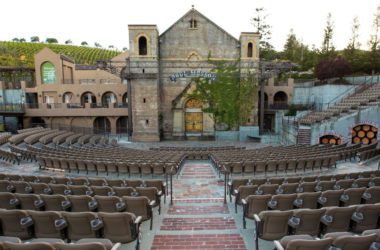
{"x":19,"y":138}
{"x":370,"y":96}
{"x":4,"y":137}
{"x":10,"y":156}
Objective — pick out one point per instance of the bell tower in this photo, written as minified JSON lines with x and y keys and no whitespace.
{"x":143,"y":76}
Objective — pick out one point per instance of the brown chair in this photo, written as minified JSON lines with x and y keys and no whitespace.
{"x":62,"y":180}
{"x":22,"y":187}
{"x":302,"y":242}
{"x":287,"y":188}
{"x":134,"y":183}
{"x":102,"y":190}
{"x":6,"y":186}
{"x":28,"y":246}
{"x":365,"y":217}
{"x":306,"y":221}
{"x":16,"y":223}
{"x":307,"y":200}
{"x":159,"y":184}
{"x":293,"y":180}
{"x":97,"y":182}
{"x":267,"y":189}
{"x":5,"y":200}
{"x":257,"y":181}
{"x":62,"y":189}
{"x":337,"y":219}
{"x":325,"y":185}
{"x":81,"y":246}
{"x":271,"y":225}
{"x":44,"y":224}
{"x":109,"y":204}
{"x":55,"y":202}
{"x":282,"y":202}
{"x":46,"y":179}
{"x":242,"y":192}
{"x":361,"y":182}
{"x":81,"y":225}
{"x":330,"y":198}
{"x":352,"y":196}
{"x":354,"y":242}
{"x":123,"y":191}
{"x":344,"y":184}
{"x":80,"y":190}
{"x":30,"y":201}
{"x":307,"y":187}
{"x":373,"y":231}
{"x":116,"y":183}
{"x":275,"y":180}
{"x":151,"y":193}
{"x":371,"y":195}
{"x":291,"y":165}
{"x":82,"y":203}
{"x":140,"y":206}
{"x":121,"y":227}
{"x":234,"y":185}
{"x":254,"y":204}
{"x":40,"y":188}
{"x":79,"y":181}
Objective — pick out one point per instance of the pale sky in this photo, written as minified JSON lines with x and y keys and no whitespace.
{"x":106,"y":21}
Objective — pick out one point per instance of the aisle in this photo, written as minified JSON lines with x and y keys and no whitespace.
{"x":198,"y":219}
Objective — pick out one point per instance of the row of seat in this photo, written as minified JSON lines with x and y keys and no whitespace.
{"x":273,"y":225}
{"x":368,"y":240}
{"x":141,"y":204}
{"x":253,"y":204}
{"x":71,"y":226}
{"x":15,"y":243}
{"x":4,"y":137}
{"x":9,"y":156}
{"x":363,"y":156}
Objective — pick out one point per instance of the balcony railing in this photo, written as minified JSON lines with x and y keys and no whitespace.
{"x":279,"y":105}
{"x":67,"y":81}
{"x":12,"y":107}
{"x":75,"y":105}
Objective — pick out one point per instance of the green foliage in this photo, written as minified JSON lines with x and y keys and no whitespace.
{"x":264,"y":29}
{"x":51,"y":40}
{"x":230,"y":98}
{"x":10,"y":53}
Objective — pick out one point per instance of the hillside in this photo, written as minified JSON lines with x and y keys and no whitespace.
{"x":22,"y":53}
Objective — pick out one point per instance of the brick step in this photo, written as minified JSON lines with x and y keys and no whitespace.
{"x":198,"y":200}
{"x":191,"y":224}
{"x":198,"y":210}
{"x":203,"y":241}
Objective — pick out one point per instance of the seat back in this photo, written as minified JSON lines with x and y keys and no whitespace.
{"x":330,"y":198}
{"x":81,"y":246}
{"x":5,"y":198}
{"x":341,"y":218}
{"x":309,"y":244}
{"x":274,"y":224}
{"x":354,"y":242}
{"x":28,"y":246}
{"x":352,"y":196}
{"x":138,"y":206}
{"x":133,"y":183}
{"x":43,"y":224}
{"x":53,"y":202}
{"x":79,"y":203}
{"x":102,"y":190}
{"x":123,"y":191}
{"x":367,"y":219}
{"x":11,"y":226}
{"x":309,"y":221}
{"x":256,"y":204}
{"x":29,"y":201}
{"x":284,"y":201}
{"x":79,"y":225}
{"x":119,"y":227}
{"x":107,"y":203}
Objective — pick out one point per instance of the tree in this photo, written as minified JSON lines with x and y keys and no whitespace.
{"x":327,"y":44}
{"x":229,"y":97}
{"x":374,"y":42}
{"x":51,"y":40}
{"x":68,"y":41}
{"x":332,"y":67}
{"x":97,"y":45}
{"x":259,"y":22}
{"x":15,"y":39}
{"x":84,"y":43}
{"x":22,"y":40}
{"x":111,"y":46}
{"x":125,"y":48}
{"x":354,"y":43}
{"x":35,"y":39}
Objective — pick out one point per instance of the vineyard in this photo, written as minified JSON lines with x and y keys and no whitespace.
{"x":22,"y":53}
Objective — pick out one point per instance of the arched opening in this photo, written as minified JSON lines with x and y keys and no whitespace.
{"x":364,"y":133}
{"x":67,"y":97}
{"x":250,"y":50}
{"x":88,"y":97}
{"x":48,"y":74}
{"x":330,"y":139}
{"x":122,"y":125}
{"x":102,"y":125}
{"x":38,"y":122}
{"x":193,"y":116}
{"x":143,"y":46}
{"x":280,"y":100}
{"x":108,"y":99}
{"x":125,"y":100}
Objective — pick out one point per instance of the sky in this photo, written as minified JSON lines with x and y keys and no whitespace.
{"x":106,"y":21}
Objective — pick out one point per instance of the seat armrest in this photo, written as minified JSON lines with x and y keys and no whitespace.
{"x":28,"y":189}
{"x":48,"y":190}
{"x":14,"y":202}
{"x":96,"y":224}
{"x":120,"y":206}
{"x":39,"y":203}
{"x":256,"y":218}
{"x":138,"y":220}
{"x":111,"y":193}
{"x":152,"y":203}
{"x":278,"y":245}
{"x":366,"y":196}
{"x":60,"y":224}
{"x":272,"y":204}
{"x":159,"y":193}
{"x":235,"y":192}
{"x":298,"y":202}
{"x":26,"y":222}
{"x":93,"y":205}
{"x":294,"y":222}
{"x":66,"y":205}
{"x":11,"y":188}
{"x":326,"y":219}
{"x":357,"y":217}
{"x":116,"y":246}
{"x":164,"y":184}
{"x":322,"y":200}
{"x":89,"y":192}
{"x":244,"y":202}
{"x":67,"y":192}
{"x":344,"y":197}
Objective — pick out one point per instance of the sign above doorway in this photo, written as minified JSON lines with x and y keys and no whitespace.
{"x":192,"y":73}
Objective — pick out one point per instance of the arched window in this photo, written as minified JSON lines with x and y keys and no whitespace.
{"x":250,"y":50}
{"x":143,"y":50}
{"x":48,"y":75}
{"x":193,"y":24}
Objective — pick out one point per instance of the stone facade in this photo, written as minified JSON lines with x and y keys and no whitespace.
{"x":166,"y":66}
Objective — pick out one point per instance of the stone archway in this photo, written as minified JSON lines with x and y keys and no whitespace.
{"x":193,"y":116}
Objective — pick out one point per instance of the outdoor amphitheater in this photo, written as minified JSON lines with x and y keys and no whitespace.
{"x":58,"y":187}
